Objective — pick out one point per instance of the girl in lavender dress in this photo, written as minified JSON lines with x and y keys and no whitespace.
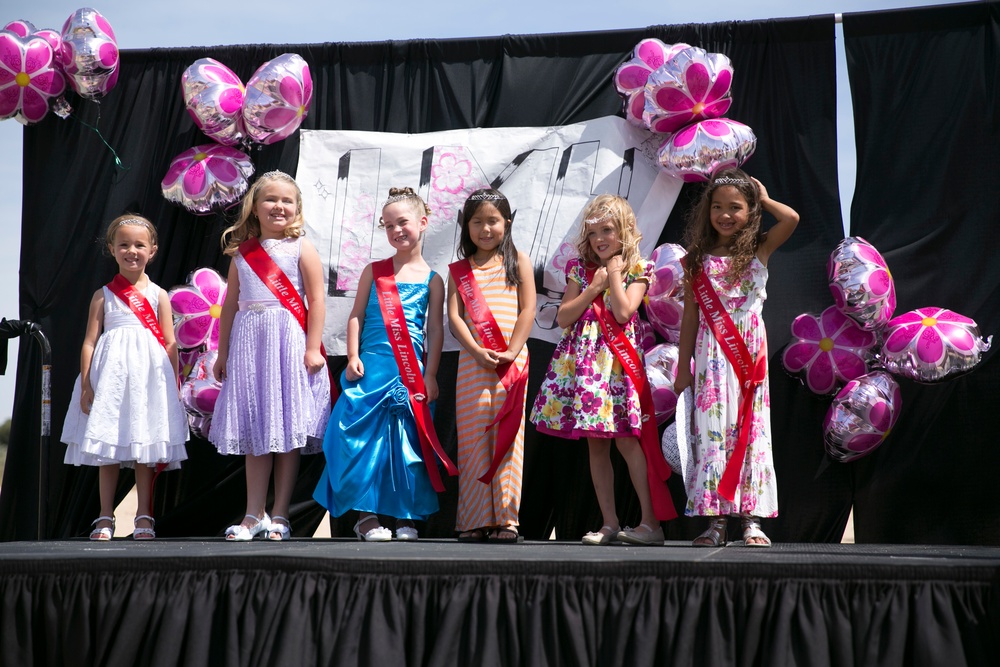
{"x":275,"y":398}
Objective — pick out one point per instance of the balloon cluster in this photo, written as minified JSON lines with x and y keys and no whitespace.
{"x":664,"y":308}
{"x":36,"y":65}
{"x":857,"y":344}
{"x":197,"y":308}
{"x":268,"y":109}
{"x":683,"y":92}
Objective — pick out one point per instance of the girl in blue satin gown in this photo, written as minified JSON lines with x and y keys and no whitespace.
{"x":373,"y":459}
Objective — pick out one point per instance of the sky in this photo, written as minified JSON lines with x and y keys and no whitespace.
{"x":141,"y":25}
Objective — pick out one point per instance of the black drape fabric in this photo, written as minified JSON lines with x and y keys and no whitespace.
{"x":263,"y":610}
{"x":784,"y":89}
{"x":925,"y":87}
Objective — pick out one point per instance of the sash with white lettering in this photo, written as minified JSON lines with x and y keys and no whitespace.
{"x":657,"y":470}
{"x":749,"y":374}
{"x":137,"y":303}
{"x":409,"y":370}
{"x":514,"y":380}
{"x":282,"y":288}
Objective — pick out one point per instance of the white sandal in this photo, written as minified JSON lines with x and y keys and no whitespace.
{"x":102,"y":534}
{"x":283,"y":531}
{"x":715,"y":536}
{"x":751,"y":530}
{"x":406,"y":533}
{"x":377,"y":534}
{"x":240,"y":533}
{"x":139,"y":533}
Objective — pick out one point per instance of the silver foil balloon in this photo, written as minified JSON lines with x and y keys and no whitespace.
{"x":89,"y":53}
{"x":861,"y":283}
{"x":697,"y":151}
{"x":213,"y":96}
{"x":861,"y":416}
{"x":932,"y":344}
{"x":207,"y":178}
{"x":661,"y":371}
{"x":278,"y":96}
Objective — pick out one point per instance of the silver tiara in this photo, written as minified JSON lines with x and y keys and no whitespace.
{"x":139,"y":222}
{"x":598,"y":219}
{"x":400,"y":197}
{"x":487,"y":196}
{"x":275,"y":173}
{"x":726,"y":180}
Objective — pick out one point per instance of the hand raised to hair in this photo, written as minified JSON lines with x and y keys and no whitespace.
{"x":761,"y":189}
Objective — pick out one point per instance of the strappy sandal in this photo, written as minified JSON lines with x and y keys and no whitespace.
{"x":240,"y":533}
{"x":606,"y":535}
{"x":474,"y":535}
{"x":649,"y":537}
{"x":278,"y":532}
{"x":140,"y":533}
{"x":497,"y":536}
{"x":751,"y":531}
{"x":377,"y":534}
{"x":715,"y":536}
{"x":102,"y":534}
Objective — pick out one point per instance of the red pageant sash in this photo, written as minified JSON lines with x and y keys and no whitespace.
{"x":748,"y":373}
{"x":133,"y":298}
{"x":657,"y":470}
{"x":282,"y":288}
{"x":514,"y":380}
{"x":409,"y":370}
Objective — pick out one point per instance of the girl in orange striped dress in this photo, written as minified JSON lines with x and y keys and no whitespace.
{"x":491,"y":305}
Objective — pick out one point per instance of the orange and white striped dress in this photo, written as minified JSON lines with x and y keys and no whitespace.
{"x":478,"y":397}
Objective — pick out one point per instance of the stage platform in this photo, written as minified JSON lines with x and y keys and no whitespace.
{"x":438,"y":602}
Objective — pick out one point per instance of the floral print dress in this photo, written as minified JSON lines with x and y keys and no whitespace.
{"x":585,"y":392}
{"x":717,"y":400}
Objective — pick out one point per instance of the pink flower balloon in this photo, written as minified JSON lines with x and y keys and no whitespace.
{"x":20,"y":27}
{"x":828,"y":350}
{"x":28,"y":77}
{"x":200,"y":425}
{"x":278,"y":96}
{"x":932,"y":344}
{"x":645,"y":334}
{"x":700,"y":149}
{"x":665,"y":296}
{"x":861,"y":416}
{"x":89,"y":53}
{"x":207,"y":178}
{"x":186,"y":360}
{"x":861,"y":284}
{"x":213,"y":95}
{"x":661,"y":371}
{"x":197,"y":308}
{"x":631,"y":76}
{"x":692,"y":85}
{"x":199,"y":393}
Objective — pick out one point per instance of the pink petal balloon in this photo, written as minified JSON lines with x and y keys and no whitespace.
{"x":861,"y":284}
{"x":213,"y":95}
{"x":828,"y":350}
{"x":197,"y":308}
{"x":200,"y":424}
{"x":207,"y":178}
{"x":861,"y":416}
{"x":20,"y":27}
{"x":186,"y":360}
{"x":661,"y":371}
{"x":700,"y":149}
{"x":692,"y":85}
{"x":645,"y":334}
{"x":278,"y":96}
{"x":89,"y":53}
{"x":630,"y":77}
{"x":29,"y":77}
{"x":199,"y":393}
{"x":665,"y":296}
{"x":932,"y":344}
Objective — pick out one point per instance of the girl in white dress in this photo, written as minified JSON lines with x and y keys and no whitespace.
{"x":125,"y":409}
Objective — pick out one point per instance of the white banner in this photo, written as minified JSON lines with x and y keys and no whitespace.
{"x":548,"y":174}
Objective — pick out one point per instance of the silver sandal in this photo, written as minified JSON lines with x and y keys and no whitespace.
{"x":715,"y":536}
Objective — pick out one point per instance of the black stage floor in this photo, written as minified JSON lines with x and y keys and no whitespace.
{"x":439,"y":602}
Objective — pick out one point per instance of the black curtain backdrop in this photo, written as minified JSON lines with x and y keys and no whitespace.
{"x":925,"y":86}
{"x":784,"y":89}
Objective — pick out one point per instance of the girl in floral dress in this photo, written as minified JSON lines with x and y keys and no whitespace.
{"x":586,"y":392}
{"x":725,"y":274}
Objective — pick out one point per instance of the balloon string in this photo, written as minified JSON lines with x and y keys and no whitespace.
{"x":118,"y":162}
